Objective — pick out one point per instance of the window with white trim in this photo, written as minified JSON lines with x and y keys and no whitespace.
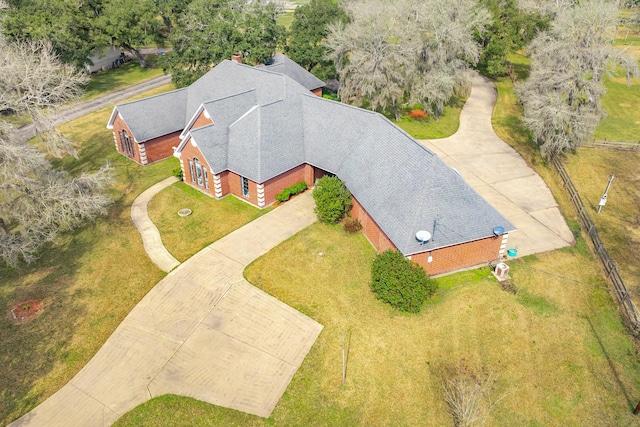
{"x":126,"y":144}
{"x":192,"y":170}
{"x":206,"y":177}
{"x":245,"y":186}
{"x":198,"y":171}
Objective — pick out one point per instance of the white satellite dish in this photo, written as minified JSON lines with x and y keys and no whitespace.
{"x":423,"y":236}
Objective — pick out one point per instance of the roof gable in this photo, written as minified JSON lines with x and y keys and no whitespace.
{"x":155,"y":116}
{"x":282,"y":64}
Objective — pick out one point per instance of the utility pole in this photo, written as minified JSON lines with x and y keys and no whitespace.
{"x":603,"y":200}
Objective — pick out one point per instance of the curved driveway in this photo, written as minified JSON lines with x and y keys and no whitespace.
{"x":205,"y":332}
{"x":501,"y":176}
{"x":202,"y":331}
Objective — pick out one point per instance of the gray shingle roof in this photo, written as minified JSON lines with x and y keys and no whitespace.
{"x":402,"y":185}
{"x":282,"y":64}
{"x":155,"y":116}
{"x":264,"y":123}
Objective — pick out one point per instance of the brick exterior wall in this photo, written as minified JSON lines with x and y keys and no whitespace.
{"x":317,"y":92}
{"x":376,"y":236}
{"x":235,"y":188}
{"x":444,"y":260}
{"x":162,"y":147}
{"x":118,"y":126}
{"x":284,"y":180}
{"x":146,"y":152}
{"x":461,"y":256}
{"x":189,"y":152}
{"x":202,"y":120}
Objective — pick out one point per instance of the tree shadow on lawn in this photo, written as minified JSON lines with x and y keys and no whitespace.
{"x":32,"y":350}
{"x":40,"y":356}
{"x":614,"y":371}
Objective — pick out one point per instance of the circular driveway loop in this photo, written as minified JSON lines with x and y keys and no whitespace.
{"x":501,"y":176}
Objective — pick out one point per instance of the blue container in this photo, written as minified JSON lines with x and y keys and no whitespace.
{"x":512,"y":252}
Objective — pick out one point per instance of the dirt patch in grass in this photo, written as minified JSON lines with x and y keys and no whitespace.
{"x":93,"y":278}
{"x":23,"y":311}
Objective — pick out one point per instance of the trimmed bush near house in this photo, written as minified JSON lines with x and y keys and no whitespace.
{"x":352,"y":225}
{"x":332,"y":198}
{"x":297,"y":188}
{"x":400,"y":282}
{"x":177,"y":172}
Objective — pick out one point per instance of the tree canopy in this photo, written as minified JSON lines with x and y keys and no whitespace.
{"x":37,"y":202}
{"x":407,"y":51}
{"x":561,"y":98}
{"x":70,"y":26}
{"x":211,"y":31}
{"x":308,"y":31}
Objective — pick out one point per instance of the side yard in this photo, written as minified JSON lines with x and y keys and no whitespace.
{"x":86,"y":292}
{"x":559,"y":351}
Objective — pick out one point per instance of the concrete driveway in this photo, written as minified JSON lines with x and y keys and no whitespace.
{"x":501,"y":176}
{"x":203,"y":332}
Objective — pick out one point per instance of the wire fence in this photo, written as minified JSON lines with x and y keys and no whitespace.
{"x":628,"y":308}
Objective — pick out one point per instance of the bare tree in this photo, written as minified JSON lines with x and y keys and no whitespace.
{"x":410,"y":50}
{"x":36,"y":201}
{"x":34,"y":82}
{"x":469,"y":395}
{"x":445,"y":34}
{"x":371,"y":54}
{"x":561,"y":98}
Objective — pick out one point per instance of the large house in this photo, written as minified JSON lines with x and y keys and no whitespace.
{"x":253,"y":131}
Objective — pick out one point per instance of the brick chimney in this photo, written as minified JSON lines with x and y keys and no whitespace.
{"x":236,"y":57}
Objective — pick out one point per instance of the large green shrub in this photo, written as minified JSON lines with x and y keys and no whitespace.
{"x":400,"y":282}
{"x":333,"y":200}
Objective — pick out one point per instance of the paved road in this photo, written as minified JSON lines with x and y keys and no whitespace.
{"x":501,"y":176}
{"x":150,"y":235}
{"x":71,"y":113}
{"x":203,"y":332}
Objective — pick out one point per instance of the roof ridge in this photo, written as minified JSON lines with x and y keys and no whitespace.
{"x":222,"y":98}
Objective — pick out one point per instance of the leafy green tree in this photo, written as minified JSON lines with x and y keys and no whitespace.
{"x":130,"y":25}
{"x":333,"y":199}
{"x":211,"y":31}
{"x":511,"y":29}
{"x":170,"y":10}
{"x":308,"y":32}
{"x":69,"y":25}
{"x":400,"y":282}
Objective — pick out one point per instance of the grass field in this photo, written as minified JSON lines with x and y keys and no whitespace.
{"x":429,"y":128}
{"x":118,"y":78}
{"x":618,"y":223}
{"x":183,"y":237}
{"x":622,"y":104}
{"x":558,"y":349}
{"x":91,"y":280}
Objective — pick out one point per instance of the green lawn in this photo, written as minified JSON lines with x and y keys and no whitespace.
{"x":91,"y":279}
{"x":558,"y":348}
{"x":622,"y":104}
{"x":429,"y":128}
{"x":183,"y":237}
{"x":121,"y":77}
